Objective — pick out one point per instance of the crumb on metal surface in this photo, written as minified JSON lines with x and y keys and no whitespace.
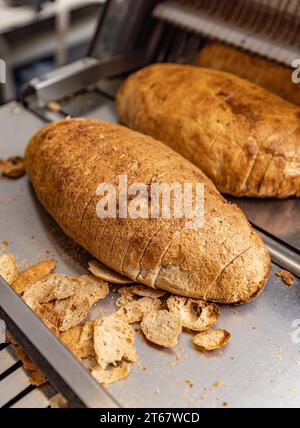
{"x":217,"y":384}
{"x":287,"y":277}
{"x":189,"y":382}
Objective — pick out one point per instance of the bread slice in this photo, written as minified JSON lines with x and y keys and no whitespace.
{"x":224,"y":261}
{"x":243,"y":137}
{"x":162,"y":327}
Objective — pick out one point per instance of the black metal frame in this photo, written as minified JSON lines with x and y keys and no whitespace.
{"x":122,"y":27}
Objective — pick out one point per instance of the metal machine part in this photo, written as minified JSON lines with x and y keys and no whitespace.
{"x":269,"y":28}
{"x":171,"y":31}
{"x":81,"y":74}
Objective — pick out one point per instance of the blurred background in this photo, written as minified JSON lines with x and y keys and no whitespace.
{"x":36,"y":36}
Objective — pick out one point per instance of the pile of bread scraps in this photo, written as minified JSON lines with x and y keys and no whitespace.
{"x":63,"y":303}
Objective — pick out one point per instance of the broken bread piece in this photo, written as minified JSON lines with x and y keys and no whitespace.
{"x":86,"y":342}
{"x":128,"y":293}
{"x":53,"y":286}
{"x":111,"y":375}
{"x":162,"y":327}
{"x":103,"y":272}
{"x":71,"y":339}
{"x":12,"y":167}
{"x":48,"y":316}
{"x":32,"y":275}
{"x":75,"y":314}
{"x":142,"y":291}
{"x":92,"y":288}
{"x":70,"y":299}
{"x":211,"y":340}
{"x":195,"y":314}
{"x":113,"y":341}
{"x":35,"y":376}
{"x":64,"y":286}
{"x":80,"y":340}
{"x":74,"y":310}
{"x":135,"y":310}
{"x":8,"y":268}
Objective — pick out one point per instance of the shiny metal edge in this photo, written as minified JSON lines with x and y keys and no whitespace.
{"x":282,"y":255}
{"x":76,"y":76}
{"x":60,"y":366}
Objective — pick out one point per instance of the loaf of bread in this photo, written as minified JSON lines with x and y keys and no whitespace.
{"x":222,"y":261}
{"x":245,"y":139}
{"x":270,"y":75}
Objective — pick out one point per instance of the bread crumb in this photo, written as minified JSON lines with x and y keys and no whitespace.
{"x":286,"y":277}
{"x":217,"y":384}
{"x":189,"y":382}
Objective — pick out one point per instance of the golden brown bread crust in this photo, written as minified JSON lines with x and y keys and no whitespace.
{"x":245,"y":139}
{"x":274,"y":77}
{"x":225,"y":261}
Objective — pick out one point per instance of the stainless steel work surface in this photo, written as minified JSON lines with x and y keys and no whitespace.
{"x":259,"y":368}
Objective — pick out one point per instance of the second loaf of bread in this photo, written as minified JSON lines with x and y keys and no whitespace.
{"x":244,"y":138}
{"x":274,"y":77}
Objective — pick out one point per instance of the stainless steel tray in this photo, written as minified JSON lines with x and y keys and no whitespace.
{"x":259,"y":368}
